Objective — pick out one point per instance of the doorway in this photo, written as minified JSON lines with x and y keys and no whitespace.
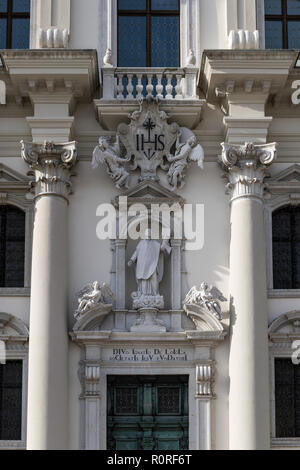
{"x":147,"y":412}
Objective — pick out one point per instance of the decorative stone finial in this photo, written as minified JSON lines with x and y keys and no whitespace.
{"x":51,"y":164}
{"x":108,"y":59}
{"x":246,"y":166}
{"x":191,"y":59}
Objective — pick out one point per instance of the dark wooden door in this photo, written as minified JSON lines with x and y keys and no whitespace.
{"x":147,"y":413}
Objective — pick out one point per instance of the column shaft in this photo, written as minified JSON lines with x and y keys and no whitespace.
{"x":248,"y":365}
{"x":47,"y":419}
{"x":249,"y":398}
{"x":48,"y":347}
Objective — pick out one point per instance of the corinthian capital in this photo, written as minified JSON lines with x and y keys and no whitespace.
{"x":246,"y":166}
{"x":50,"y":164}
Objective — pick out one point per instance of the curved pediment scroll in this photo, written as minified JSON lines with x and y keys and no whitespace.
{"x":203,"y":319}
{"x":286,"y":326}
{"x":12,"y":327}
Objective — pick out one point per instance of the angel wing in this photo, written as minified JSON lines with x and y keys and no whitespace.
{"x":85,"y":289}
{"x":197,"y":155}
{"x":217,"y":294}
{"x":190,"y":296}
{"x":98,"y":157}
{"x":106,"y":291}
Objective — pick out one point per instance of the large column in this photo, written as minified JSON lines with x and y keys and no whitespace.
{"x":248,"y":364}
{"x":47,"y":421}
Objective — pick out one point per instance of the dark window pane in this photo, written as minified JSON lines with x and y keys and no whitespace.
{"x":287,"y":398}
{"x":282,"y":265}
{"x":293,"y":7}
{"x":11,"y":401}
{"x":2,"y":33}
{"x":20,"y":33}
{"x":274,"y":35}
{"x":168,"y":400}
{"x":165,"y":41}
{"x":132,"y":41}
{"x":3,"y":6}
{"x":273,"y":7}
{"x":164,"y":5}
{"x":126,"y":400}
{"x":132,"y":4}
{"x":282,"y":224}
{"x":12,"y":246}
{"x":21,"y":6}
{"x":294,"y":34}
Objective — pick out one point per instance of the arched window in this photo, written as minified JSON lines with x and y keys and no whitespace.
{"x":12,"y":246}
{"x":148,"y":33}
{"x":286,"y":248}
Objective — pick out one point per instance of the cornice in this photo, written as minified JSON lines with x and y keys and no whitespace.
{"x":54,"y":72}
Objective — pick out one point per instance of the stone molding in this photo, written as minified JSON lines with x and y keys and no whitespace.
{"x":51,"y":164}
{"x":204,"y":380}
{"x":245,"y":167}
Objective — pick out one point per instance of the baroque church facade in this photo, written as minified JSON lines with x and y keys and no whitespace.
{"x":149,"y":224}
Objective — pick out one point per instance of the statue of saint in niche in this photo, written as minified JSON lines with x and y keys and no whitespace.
{"x":149,"y":259}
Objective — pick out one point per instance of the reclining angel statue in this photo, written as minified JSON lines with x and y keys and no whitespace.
{"x":207,"y":297}
{"x":187,"y":151}
{"x":109,"y":155}
{"x":93,"y":295}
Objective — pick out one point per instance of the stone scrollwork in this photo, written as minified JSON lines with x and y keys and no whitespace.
{"x":207,"y":297}
{"x":94,"y":297}
{"x":246,"y":167}
{"x":51,"y":164}
{"x":149,"y":142}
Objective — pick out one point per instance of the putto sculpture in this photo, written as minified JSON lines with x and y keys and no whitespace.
{"x":109,"y":155}
{"x":207,"y":297}
{"x":94,"y":296}
{"x":187,"y":151}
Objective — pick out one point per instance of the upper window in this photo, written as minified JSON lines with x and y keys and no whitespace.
{"x":12,"y":246}
{"x":11,"y":401}
{"x":14,"y":24}
{"x":286,"y":248}
{"x":287,"y":398}
{"x":148,"y":33}
{"x":282,"y":24}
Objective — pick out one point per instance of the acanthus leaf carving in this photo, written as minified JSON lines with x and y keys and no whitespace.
{"x":246,"y":167}
{"x":50,"y":164}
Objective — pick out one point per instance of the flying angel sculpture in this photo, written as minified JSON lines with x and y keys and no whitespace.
{"x":93,"y":295}
{"x":108,"y":154}
{"x":208,"y":297}
{"x":187,"y":151}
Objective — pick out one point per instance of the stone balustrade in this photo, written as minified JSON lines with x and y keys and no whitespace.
{"x":137,"y":83}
